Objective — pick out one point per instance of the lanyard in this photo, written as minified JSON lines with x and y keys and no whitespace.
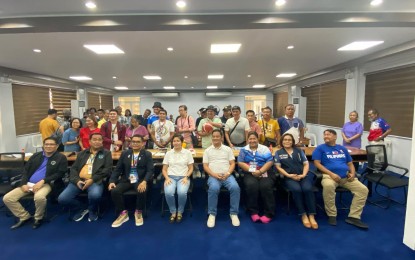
{"x":134,"y":160}
{"x":161,"y":127}
{"x":91,"y":159}
{"x":113,"y":131}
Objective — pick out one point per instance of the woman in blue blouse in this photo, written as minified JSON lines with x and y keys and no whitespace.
{"x":255,"y":160}
{"x":70,"y":137}
{"x":292,"y":163}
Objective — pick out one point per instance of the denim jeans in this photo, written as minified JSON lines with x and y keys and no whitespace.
{"x":302,"y":192}
{"x":68,"y":196}
{"x":170,"y":190}
{"x":214,"y":188}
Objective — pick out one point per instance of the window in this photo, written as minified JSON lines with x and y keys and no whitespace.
{"x":98,"y":101}
{"x":31,"y":104}
{"x":255,"y":103}
{"x":131,"y":103}
{"x":106,"y":102}
{"x":280,"y":101}
{"x":93,"y":100}
{"x":326,"y":103}
{"x":392,"y":94}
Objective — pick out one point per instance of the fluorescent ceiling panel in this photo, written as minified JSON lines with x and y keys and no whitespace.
{"x":359,"y":45}
{"x":152,"y":77}
{"x":215,"y":76}
{"x":212,"y":87}
{"x":121,"y":88}
{"x":225,"y":48}
{"x":80,"y":78}
{"x":286,"y":75}
{"x":104,"y":48}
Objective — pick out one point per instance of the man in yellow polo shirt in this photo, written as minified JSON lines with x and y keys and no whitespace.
{"x":49,"y":125}
{"x":269,"y":127}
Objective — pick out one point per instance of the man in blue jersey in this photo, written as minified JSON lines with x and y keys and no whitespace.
{"x":335,"y":162}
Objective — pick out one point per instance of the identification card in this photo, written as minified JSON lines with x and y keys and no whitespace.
{"x":265,"y":174}
{"x":90,"y":169}
{"x":252,"y":166}
{"x":133,"y":176}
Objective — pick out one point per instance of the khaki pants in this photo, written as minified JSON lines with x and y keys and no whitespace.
{"x":358,"y":190}
{"x":11,"y":200}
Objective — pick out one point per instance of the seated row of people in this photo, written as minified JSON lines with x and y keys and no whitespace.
{"x":135,"y":169}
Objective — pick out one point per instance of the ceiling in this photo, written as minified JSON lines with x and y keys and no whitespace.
{"x":145,"y":29}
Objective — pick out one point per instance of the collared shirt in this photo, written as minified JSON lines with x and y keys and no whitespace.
{"x":377,"y":128}
{"x":40,"y":173}
{"x":261,"y":155}
{"x":255,"y":127}
{"x":334,"y":158}
{"x":178,"y":162}
{"x":207,"y":140}
{"x":101,"y":122}
{"x":123,"y":120}
{"x":218,"y":158}
{"x":291,"y":163}
{"x":295,"y":124}
{"x":238,"y":135}
{"x":271,"y":127}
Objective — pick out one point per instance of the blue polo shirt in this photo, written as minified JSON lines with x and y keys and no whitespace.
{"x":152,"y":118}
{"x":334,"y":158}
{"x":261,"y":156}
{"x":291,"y":164}
{"x":40,"y":173}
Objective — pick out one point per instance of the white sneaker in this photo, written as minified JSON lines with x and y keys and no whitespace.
{"x":211,"y":221}
{"x":235,"y":220}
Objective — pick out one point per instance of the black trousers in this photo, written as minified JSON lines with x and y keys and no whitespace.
{"x":263,"y":187}
{"x":117,"y":195}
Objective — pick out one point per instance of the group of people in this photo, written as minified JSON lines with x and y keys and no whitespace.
{"x":135,"y":170}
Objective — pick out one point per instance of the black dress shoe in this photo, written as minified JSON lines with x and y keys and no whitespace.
{"x":37,"y":223}
{"x":20,"y":223}
{"x":356,"y":222}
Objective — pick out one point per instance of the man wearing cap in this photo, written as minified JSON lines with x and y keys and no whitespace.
{"x":202,"y":113}
{"x":227,"y":113}
{"x":49,"y":125}
{"x":236,"y":129}
{"x":214,"y":121}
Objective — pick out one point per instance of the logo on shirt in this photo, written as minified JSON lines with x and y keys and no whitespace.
{"x":283,"y":156}
{"x":335,"y":155}
{"x":53,"y":162}
{"x":100,"y":156}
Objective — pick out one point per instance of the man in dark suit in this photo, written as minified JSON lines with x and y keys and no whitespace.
{"x":88,"y":172}
{"x":134,"y":171}
{"x":42,"y":169}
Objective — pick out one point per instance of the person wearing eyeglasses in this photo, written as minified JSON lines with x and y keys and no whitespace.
{"x":42,"y":169}
{"x":134,"y":170}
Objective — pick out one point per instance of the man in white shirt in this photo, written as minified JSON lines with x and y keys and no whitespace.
{"x":219,"y":163}
{"x":236,"y":129}
{"x":162,"y":131}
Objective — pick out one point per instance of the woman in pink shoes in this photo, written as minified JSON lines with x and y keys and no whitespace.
{"x":255,"y":160}
{"x":292,"y":163}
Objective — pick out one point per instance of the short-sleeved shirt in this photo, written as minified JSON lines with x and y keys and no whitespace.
{"x":123,"y":120}
{"x":101,"y":122}
{"x":140,"y":130}
{"x":255,"y":127}
{"x":261,"y":155}
{"x":152,"y":118}
{"x":69,"y":136}
{"x":270,"y":128}
{"x":162,"y":130}
{"x":334,"y":158}
{"x":178,"y":162}
{"x":377,"y":128}
{"x":186,"y":124}
{"x":84,"y":134}
{"x":292,"y":164}
{"x":218,"y":158}
{"x":47,"y":127}
{"x":351,"y":129}
{"x":207,"y":140}
{"x":295,"y":124}
{"x":238,"y":135}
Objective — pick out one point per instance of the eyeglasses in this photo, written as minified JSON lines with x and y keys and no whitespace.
{"x":48,"y":144}
{"x":135,"y":142}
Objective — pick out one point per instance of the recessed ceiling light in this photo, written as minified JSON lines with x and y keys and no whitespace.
{"x":144,"y":87}
{"x":248,"y":76}
{"x":186,"y":77}
{"x":280,"y":2}
{"x":14,"y":25}
{"x":234,"y":86}
{"x":170,"y":49}
{"x":359,"y":46}
{"x":98,"y":23}
{"x":225,"y":48}
{"x":183,"y":22}
{"x":121,"y":88}
{"x":169,"y":87}
{"x":114,"y":77}
{"x":212,"y":87}
{"x":286,"y":75}
{"x":270,"y":20}
{"x":376,"y":2}
{"x":37,"y":50}
{"x":104,"y":48}
{"x":90,"y":5}
{"x":152,"y":77}
{"x":360,"y":19}
{"x":181,"y":4}
{"x":215,"y":76}
{"x":80,"y":78}
{"x":259,"y":86}
{"x":290,"y":47}
{"x":192,"y":87}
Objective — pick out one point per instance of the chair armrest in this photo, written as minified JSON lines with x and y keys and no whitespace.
{"x":399,"y":167}
{"x":317,"y":174}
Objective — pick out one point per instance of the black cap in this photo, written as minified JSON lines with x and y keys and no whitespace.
{"x":211,"y":108}
{"x":227,"y":108}
{"x":157,"y":104}
{"x":202,"y":110}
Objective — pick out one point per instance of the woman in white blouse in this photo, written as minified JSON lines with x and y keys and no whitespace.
{"x":177,"y":169}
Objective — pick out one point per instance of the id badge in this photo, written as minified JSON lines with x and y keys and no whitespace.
{"x":265,"y":174}
{"x":133,"y":176}
{"x":252,"y":166}
{"x":90,"y":169}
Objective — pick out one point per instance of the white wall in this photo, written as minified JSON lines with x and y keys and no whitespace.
{"x":7,"y":126}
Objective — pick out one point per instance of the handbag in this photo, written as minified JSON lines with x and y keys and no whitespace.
{"x":270,"y":142}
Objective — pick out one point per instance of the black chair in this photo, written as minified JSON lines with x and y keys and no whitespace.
{"x":11,"y":169}
{"x":163,"y":197}
{"x":376,"y":172}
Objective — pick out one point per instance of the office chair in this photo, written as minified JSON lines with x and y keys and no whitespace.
{"x":313,"y":139}
{"x":11,"y":169}
{"x":189,"y":197}
{"x":376,"y":172}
